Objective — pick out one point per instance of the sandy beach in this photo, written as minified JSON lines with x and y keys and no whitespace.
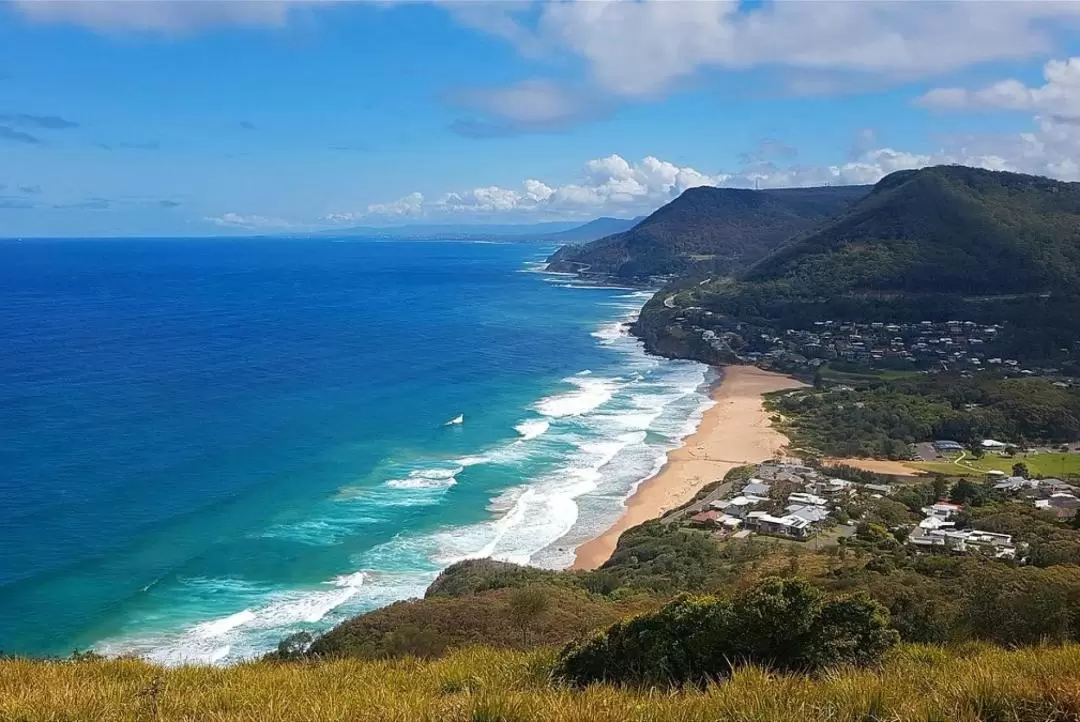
{"x":733,"y":432}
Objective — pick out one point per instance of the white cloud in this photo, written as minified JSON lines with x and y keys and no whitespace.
{"x":166,"y":16}
{"x":1059,"y":97}
{"x":639,"y":49}
{"x":251,"y":222}
{"x":607,"y":185}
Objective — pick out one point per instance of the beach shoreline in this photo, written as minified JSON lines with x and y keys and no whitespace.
{"x":734,"y":431}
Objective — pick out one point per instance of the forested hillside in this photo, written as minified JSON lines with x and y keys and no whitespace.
{"x":934,"y":244}
{"x":708,"y":230}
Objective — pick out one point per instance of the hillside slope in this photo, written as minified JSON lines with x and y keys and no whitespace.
{"x":962,"y":229}
{"x":940,"y":243}
{"x":708,"y":230}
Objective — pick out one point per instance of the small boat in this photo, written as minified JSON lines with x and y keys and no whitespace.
{"x":459,"y":419}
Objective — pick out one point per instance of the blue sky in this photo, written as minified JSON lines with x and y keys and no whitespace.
{"x":157,"y":117}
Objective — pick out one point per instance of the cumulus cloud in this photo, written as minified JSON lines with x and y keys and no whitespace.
{"x":1059,"y":97}
{"x":241,"y":221}
{"x":167,"y":16}
{"x":606,"y":185}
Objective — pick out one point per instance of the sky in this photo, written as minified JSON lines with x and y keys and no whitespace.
{"x":204,"y":117}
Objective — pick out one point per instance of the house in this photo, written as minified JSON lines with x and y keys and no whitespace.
{"x":1015,"y":484}
{"x":942,"y":509}
{"x":883,"y":489}
{"x":706,"y":518}
{"x":1049,"y":487}
{"x":799,"y":497}
{"x":757,"y":487}
{"x":813,"y":514}
{"x":946,"y":445}
{"x":993,"y":445}
{"x":964,"y":541}
{"x":935,"y":522}
{"x":740,"y":506}
{"x":1063,"y":505}
{"x":792,"y":527}
{"x":835,"y":487}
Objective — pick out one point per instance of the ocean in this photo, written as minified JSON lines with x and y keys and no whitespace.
{"x":209,"y":444}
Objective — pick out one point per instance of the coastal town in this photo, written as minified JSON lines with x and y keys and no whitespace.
{"x":792,"y":501}
{"x":960,"y":346}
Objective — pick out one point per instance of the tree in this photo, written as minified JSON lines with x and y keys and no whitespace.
{"x":295,"y":645}
{"x":940,"y":487}
{"x":966,"y":492}
{"x":784,"y":624}
{"x":525,"y":606}
{"x":1020,"y":469}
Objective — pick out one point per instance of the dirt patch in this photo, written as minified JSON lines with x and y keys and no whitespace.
{"x":879,"y":466}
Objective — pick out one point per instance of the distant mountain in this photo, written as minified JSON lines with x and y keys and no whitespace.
{"x":708,"y":230}
{"x":594,"y":230}
{"x":459,"y":230}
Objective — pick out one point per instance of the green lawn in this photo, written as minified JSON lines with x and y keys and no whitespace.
{"x":853,"y":377}
{"x":1049,"y":464}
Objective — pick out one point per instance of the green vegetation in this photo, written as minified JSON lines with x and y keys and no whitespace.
{"x":547,"y":614}
{"x":884,"y":417}
{"x":708,"y":230}
{"x":780,"y":624}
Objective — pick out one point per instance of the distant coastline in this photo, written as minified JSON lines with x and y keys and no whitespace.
{"x":734,"y":431}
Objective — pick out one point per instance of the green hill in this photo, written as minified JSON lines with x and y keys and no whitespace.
{"x":961,"y":229}
{"x":707,"y":230}
{"x":934,"y":244}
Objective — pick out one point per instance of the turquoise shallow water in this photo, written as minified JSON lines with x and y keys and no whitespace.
{"x":209,"y":444}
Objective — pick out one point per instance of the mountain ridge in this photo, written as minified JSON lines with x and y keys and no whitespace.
{"x":707,"y":230}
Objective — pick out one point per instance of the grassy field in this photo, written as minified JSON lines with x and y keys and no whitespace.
{"x":1048,"y":464}
{"x":480,"y":685}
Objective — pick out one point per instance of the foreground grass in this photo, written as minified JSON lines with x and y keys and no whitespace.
{"x":482,"y":685}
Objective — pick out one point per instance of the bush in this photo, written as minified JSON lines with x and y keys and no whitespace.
{"x":784,"y":624}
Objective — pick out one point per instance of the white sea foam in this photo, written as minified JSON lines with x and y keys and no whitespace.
{"x":430,"y":479}
{"x":611,"y":332}
{"x":594,"y":444}
{"x":218,"y":627}
{"x":589,"y":394}
{"x":532,"y":428}
{"x":233,"y":636}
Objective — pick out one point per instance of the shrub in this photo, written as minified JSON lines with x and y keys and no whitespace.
{"x":784,"y":624}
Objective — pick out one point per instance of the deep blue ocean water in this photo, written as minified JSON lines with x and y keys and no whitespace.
{"x":208,"y":444}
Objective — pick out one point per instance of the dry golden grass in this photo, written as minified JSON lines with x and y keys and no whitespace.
{"x":482,"y":685}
